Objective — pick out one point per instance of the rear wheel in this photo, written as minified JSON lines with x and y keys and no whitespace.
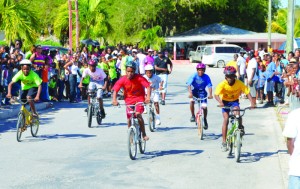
{"x":238,"y":145}
{"x":98,"y":117}
{"x":229,"y":146}
{"x":200,"y":126}
{"x":35,"y":124}
{"x":151,"y":120}
{"x":220,"y":64}
{"x":20,"y":124}
{"x":90,"y":115}
{"x":142,"y":144}
{"x":132,"y":145}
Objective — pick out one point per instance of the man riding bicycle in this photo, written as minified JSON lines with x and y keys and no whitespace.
{"x":156,"y":84}
{"x":30,"y":85}
{"x":97,"y":81}
{"x":134,"y":91}
{"x":196,"y":87}
{"x":227,"y":94}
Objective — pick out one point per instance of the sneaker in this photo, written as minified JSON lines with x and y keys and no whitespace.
{"x":162,"y":102}
{"x":242,"y":128}
{"x":205,"y":124}
{"x":145,"y":111}
{"x":157,"y":122}
{"x":224,"y":146}
{"x":102,"y":113}
{"x":192,"y":119}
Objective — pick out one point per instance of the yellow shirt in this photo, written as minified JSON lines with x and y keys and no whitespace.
{"x":232,"y":63}
{"x":231,"y":93}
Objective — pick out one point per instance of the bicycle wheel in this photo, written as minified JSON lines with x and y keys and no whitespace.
{"x":34,"y":126}
{"x":132,"y":145}
{"x":200,"y":123}
{"x":229,"y":146}
{"x":151,"y":120}
{"x":20,"y":124}
{"x":98,"y":117}
{"x":238,"y":144}
{"x":90,"y":115}
{"x":142,"y":144}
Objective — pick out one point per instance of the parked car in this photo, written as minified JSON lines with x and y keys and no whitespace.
{"x":219,"y":54}
{"x":195,"y":56}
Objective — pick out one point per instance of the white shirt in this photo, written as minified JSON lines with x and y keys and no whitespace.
{"x":73,"y":69}
{"x":241,"y":62}
{"x":142,"y":61}
{"x":96,"y":76}
{"x":154,"y":81}
{"x":252,"y":64}
{"x":292,"y":130}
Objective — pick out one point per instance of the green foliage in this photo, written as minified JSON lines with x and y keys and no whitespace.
{"x":3,"y":43}
{"x":150,"y":38}
{"x":48,"y":42}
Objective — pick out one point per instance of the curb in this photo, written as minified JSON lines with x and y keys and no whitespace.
{"x":13,"y":110}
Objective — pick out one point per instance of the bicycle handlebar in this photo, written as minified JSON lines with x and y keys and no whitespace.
{"x":198,"y":99}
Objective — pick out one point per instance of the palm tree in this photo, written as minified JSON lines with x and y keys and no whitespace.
{"x":18,"y":21}
{"x":150,"y":38}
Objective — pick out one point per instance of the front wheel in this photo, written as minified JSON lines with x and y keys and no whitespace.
{"x":151,"y":120}
{"x":132,"y":145}
{"x":200,"y":123}
{"x":142,"y":143}
{"x":220,"y":64}
{"x":238,"y":145}
{"x":35,"y":124}
{"x":98,"y":117}
{"x":90,"y":115}
{"x":20,"y":124}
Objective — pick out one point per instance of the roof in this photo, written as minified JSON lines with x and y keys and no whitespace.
{"x":216,"y":28}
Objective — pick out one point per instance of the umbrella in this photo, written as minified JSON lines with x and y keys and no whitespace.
{"x":90,"y":42}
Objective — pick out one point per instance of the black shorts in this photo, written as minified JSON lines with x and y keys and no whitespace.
{"x":29,"y":92}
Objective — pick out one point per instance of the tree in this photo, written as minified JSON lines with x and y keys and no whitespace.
{"x":150,"y":38}
{"x":18,"y":21}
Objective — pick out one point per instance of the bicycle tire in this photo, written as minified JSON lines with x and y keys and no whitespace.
{"x":142,"y":144}
{"x":132,"y":145}
{"x":20,"y":124}
{"x":200,"y":126}
{"x":151,"y":120}
{"x":90,"y":115}
{"x":238,"y":145}
{"x":229,"y":146}
{"x":99,"y":118}
{"x":34,"y":126}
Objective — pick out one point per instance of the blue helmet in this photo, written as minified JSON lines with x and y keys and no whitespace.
{"x":131,"y":64}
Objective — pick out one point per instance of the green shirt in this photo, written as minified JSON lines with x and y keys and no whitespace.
{"x":85,"y":80}
{"x":112,"y":69}
{"x":27,"y":82}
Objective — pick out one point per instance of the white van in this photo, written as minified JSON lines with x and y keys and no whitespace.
{"x":219,"y":54}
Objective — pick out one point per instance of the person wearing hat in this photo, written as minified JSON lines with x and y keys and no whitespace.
{"x":163,"y":66}
{"x":241,"y":66}
{"x":30,"y":85}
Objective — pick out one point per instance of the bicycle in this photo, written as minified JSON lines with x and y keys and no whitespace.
{"x":26,"y":119}
{"x":134,"y":133}
{"x":234,"y":137}
{"x":93,"y":108}
{"x":151,"y":114}
{"x":200,"y":116}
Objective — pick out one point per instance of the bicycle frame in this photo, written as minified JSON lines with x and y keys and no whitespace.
{"x":27,"y":115}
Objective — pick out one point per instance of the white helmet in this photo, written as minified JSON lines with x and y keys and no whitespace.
{"x":25,"y":62}
{"x":149,"y":67}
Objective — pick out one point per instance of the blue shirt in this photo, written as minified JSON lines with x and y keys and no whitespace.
{"x":199,"y":84}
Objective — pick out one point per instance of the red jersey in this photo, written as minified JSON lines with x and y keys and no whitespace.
{"x":134,"y":89}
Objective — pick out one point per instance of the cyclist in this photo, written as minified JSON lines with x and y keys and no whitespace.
{"x":30,"y":85}
{"x":227,"y":94}
{"x":134,"y":91}
{"x":97,"y":80}
{"x":196,"y":87}
{"x":156,"y":84}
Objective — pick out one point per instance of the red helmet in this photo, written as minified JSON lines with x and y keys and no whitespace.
{"x":229,"y":70}
{"x":200,"y":66}
{"x":92,"y":62}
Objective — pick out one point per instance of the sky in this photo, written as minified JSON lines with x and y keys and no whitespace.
{"x":284,"y":3}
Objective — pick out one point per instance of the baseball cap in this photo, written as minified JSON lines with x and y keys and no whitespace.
{"x":150,"y":50}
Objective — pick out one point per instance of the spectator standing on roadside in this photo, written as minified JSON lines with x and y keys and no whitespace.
{"x":292,"y":132}
{"x":142,"y":61}
{"x":241,"y":65}
{"x":252,"y":75}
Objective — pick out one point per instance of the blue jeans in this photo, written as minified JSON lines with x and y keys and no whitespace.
{"x":61,"y":87}
{"x":73,"y":82}
{"x":45,"y":92}
{"x":294,"y":182}
{"x":78,"y":92}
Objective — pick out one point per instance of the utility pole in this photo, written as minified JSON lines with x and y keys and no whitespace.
{"x":70,"y":26}
{"x":290,"y":27}
{"x":269,"y":23}
{"x":77,"y":24}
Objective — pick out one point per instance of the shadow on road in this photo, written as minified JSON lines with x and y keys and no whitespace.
{"x":69,"y":136}
{"x":211,"y":136}
{"x":247,"y":157}
{"x":106,"y":125}
{"x":159,"y":129}
{"x":150,"y":155}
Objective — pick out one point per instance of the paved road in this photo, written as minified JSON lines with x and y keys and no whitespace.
{"x":68,"y":154}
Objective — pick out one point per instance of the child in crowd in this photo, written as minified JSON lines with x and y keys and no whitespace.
{"x":261,"y":83}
